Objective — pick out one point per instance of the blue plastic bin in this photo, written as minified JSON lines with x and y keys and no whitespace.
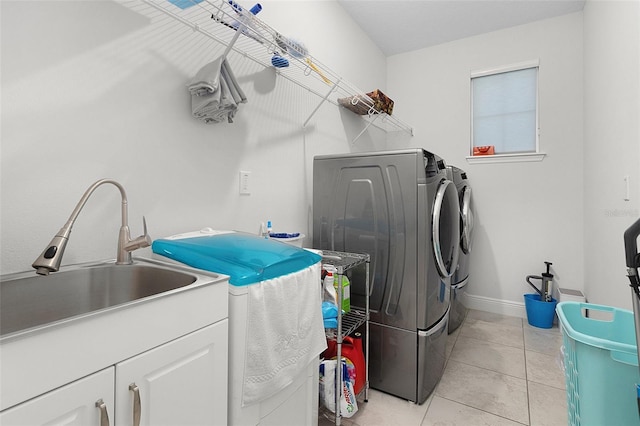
{"x":600,"y":363}
{"x":246,"y":258}
{"x":540,"y":313}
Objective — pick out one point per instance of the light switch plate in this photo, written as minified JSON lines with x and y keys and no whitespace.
{"x":244,"y":183}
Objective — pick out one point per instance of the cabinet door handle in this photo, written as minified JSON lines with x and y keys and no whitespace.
{"x":104,"y":416}
{"x":136,"y":403}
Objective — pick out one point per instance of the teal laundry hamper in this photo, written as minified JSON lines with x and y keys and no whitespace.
{"x":600,"y":363}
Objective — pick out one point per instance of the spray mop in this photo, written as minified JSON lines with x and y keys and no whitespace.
{"x":633,"y":263}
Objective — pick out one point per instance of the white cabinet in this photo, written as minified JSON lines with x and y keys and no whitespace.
{"x":183,"y":382}
{"x":73,"y":404}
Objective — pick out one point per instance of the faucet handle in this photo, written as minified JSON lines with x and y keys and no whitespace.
{"x":143,"y":240}
{"x":145,"y":235}
{"x":144,"y":229}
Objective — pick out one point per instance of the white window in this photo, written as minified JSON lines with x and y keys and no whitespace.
{"x":504,"y":114}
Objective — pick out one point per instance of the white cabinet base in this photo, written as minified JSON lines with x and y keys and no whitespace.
{"x":183,"y":382}
{"x":73,"y":404}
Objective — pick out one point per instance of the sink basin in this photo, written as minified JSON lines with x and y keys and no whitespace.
{"x":86,"y":317}
{"x":29,"y":301}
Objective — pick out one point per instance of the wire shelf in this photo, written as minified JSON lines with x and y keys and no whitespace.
{"x":343,"y":261}
{"x":242,"y":32}
{"x":351,"y":321}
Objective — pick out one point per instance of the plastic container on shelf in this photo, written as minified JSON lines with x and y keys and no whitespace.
{"x":346,"y":293}
{"x":600,"y":363}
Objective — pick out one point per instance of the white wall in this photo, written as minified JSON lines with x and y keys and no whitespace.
{"x":526,"y":213}
{"x":96,"y":89}
{"x":612,"y":144}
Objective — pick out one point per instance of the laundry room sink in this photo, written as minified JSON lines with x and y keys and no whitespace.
{"x":30,"y":301}
{"x":84,"y":318}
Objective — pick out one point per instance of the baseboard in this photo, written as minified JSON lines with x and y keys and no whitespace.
{"x":496,"y":306}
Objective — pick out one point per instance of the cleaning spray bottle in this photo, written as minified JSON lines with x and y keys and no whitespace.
{"x":329,"y":293}
{"x":265,"y":230}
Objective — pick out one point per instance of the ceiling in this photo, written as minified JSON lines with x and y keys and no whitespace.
{"x":398,"y":26}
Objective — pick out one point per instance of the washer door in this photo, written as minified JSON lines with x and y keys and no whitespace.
{"x":466,"y":217}
{"x":445,"y":224}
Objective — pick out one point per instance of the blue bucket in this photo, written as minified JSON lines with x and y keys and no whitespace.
{"x":539,"y":314}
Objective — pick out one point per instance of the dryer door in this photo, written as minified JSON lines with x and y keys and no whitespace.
{"x":445,"y":226}
{"x":466,"y":215}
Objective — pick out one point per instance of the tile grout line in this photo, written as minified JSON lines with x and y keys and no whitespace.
{"x":494,"y":343}
{"x":523,"y":348}
{"x":484,"y":411}
{"x":526,"y":372}
{"x":446,"y":362}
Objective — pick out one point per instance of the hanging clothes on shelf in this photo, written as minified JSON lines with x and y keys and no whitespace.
{"x":215,"y":92}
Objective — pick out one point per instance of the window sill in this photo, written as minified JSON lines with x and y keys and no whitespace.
{"x":506,"y":158}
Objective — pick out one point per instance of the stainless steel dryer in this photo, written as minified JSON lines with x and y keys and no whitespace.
{"x":399,"y":207}
{"x":460,"y":276}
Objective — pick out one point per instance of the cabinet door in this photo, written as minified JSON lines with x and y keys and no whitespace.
{"x":73,"y":404}
{"x":183,"y":382}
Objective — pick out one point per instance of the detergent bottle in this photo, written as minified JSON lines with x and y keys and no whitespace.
{"x":352,"y":349}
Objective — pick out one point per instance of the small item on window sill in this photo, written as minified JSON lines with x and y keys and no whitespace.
{"x":484,"y":150}
{"x":362,"y":106}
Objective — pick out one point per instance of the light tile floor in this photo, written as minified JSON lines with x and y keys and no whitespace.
{"x":499,"y":371}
